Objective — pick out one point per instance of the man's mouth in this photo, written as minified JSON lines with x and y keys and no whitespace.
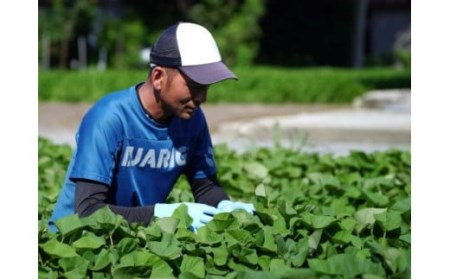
{"x":190,"y":109}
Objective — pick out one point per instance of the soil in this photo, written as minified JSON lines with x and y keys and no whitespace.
{"x":66,"y":116}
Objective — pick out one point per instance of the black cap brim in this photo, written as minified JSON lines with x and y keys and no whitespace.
{"x":208,"y":73}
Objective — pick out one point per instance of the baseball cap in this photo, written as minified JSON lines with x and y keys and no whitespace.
{"x":192,"y":49}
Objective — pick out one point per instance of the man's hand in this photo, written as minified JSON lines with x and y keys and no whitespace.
{"x":228,"y":206}
{"x":200,"y":213}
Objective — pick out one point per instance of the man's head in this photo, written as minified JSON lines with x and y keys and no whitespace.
{"x":175,"y":93}
{"x":192,"y":49}
{"x":185,"y":60}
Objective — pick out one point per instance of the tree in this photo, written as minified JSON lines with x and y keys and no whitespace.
{"x":63,"y":21}
{"x":235,"y":25}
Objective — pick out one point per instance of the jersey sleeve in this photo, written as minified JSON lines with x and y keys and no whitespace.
{"x":98,"y":141}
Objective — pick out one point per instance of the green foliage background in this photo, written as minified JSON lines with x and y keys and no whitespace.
{"x":234,"y":25}
{"x":256,"y":84}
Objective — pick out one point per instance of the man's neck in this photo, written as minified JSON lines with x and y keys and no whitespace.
{"x":151,"y":105}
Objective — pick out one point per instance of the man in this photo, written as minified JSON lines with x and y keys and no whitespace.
{"x":133,"y":145}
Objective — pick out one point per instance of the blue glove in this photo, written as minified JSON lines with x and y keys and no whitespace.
{"x":228,"y":206}
{"x":200,"y":213}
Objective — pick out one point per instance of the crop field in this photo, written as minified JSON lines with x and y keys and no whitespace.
{"x":318,"y":216}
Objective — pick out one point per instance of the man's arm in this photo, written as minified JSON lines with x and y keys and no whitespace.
{"x":208,"y":191}
{"x":91,"y":196}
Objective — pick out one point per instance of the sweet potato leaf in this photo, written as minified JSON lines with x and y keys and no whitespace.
{"x":194,"y":266}
{"x":69,"y":224}
{"x":89,"y":241}
{"x":168,"y":224}
{"x":57,"y":249}
{"x":346,"y":265}
{"x":168,"y":248}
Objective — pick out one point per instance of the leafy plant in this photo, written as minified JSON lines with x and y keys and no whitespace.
{"x":318,"y":216}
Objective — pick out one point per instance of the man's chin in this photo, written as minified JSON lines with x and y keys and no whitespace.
{"x":186,"y":115}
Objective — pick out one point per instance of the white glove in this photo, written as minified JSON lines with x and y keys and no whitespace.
{"x":228,"y":206}
{"x":200,"y":213}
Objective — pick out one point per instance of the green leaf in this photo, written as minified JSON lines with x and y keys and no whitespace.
{"x":321,"y":222}
{"x":58,"y":249}
{"x":104,"y":219}
{"x":346,"y":265}
{"x":250,"y":274}
{"x":242,"y":236}
{"x":389,"y":220}
{"x":391,"y":255}
{"x":402,"y":205}
{"x":353,"y":192}
{"x":168,"y":248}
{"x":47,"y":273}
{"x":265,"y":215}
{"x":376,"y":199}
{"x":371,"y":276}
{"x":327,"y":249}
{"x":269,"y":241}
{"x":213,"y":270}
{"x":245,"y":219}
{"x":285,"y":209}
{"x":247,"y":255}
{"x":317,"y":221}
{"x":127,"y":245}
{"x":255,"y":171}
{"x":278,"y":267}
{"x":141,"y":264}
{"x":69,"y":224}
{"x":102,"y":260}
{"x":220,"y":255}
{"x":74,"y":267}
{"x":366,"y":216}
{"x":90,"y":241}
{"x":340,"y":207}
{"x":279,"y":224}
{"x":222,"y":221}
{"x":298,"y":252}
{"x":264,"y":262}
{"x":314,"y":239}
{"x":193,"y":265}
{"x":261,"y":204}
{"x":160,"y":269}
{"x":327,"y":181}
{"x":207,"y":236}
{"x":136,"y":258}
{"x":185,"y":235}
{"x":347,"y":224}
{"x":181,"y":213}
{"x":406,"y":238}
{"x":342,"y":237}
{"x":299,"y":273}
{"x":260,"y":190}
{"x":168,"y":224}
{"x":152,"y":232}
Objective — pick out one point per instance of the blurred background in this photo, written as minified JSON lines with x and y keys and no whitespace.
{"x":116,"y":34}
{"x":333,"y":74}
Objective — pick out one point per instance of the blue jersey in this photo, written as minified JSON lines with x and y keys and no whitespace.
{"x":119,"y":145}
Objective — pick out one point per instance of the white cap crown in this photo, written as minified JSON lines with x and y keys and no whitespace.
{"x":196,"y":45}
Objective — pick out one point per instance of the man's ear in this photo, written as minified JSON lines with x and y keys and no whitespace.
{"x":156,"y":77}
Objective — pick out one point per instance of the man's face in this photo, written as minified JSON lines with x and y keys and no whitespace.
{"x":180,"y":95}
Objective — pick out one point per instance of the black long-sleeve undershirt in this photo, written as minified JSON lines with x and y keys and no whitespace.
{"x":91,"y":196}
